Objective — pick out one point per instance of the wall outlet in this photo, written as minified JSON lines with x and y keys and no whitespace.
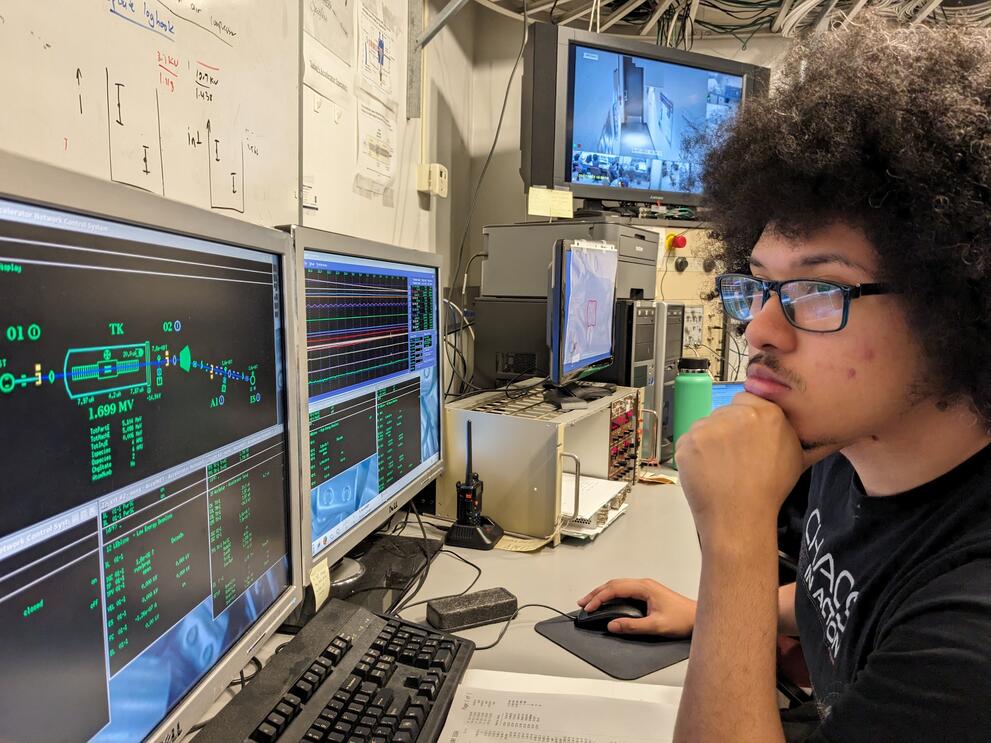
{"x":694,"y":320}
{"x":432,"y":178}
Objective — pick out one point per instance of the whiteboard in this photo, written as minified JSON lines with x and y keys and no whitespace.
{"x":195,"y":101}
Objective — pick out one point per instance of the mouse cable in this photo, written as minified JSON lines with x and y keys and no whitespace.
{"x":510,"y":620}
{"x":478,"y":574}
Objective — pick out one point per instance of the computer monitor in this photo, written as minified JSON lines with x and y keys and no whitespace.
{"x":615,"y":119}
{"x":149,"y":440}
{"x":724,"y":392}
{"x":373,"y":380}
{"x":580,"y":305}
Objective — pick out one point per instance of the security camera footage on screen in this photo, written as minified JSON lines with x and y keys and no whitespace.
{"x":372,"y":374}
{"x":590,"y":289}
{"x":632,"y":119}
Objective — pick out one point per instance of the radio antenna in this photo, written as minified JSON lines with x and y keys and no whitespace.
{"x":468,"y":474}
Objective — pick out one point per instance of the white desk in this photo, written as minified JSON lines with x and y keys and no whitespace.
{"x":655,"y":539}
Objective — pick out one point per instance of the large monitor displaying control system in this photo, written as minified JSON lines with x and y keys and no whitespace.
{"x":373,"y":382}
{"x":149,"y":439}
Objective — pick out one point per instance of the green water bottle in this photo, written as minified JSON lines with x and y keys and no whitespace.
{"x":692,"y":395}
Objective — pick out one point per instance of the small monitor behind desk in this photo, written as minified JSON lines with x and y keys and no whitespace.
{"x":580,"y":305}
{"x":370,"y":316}
{"x":724,"y":392}
{"x":147,"y":415}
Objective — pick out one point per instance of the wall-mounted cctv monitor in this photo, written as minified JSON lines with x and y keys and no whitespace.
{"x":148,"y":419}
{"x":615,"y":119}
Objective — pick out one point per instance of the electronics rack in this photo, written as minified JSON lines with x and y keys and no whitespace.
{"x":527,"y":452}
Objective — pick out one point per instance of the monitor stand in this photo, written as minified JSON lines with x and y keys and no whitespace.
{"x":574,"y":395}
{"x":372,"y":576}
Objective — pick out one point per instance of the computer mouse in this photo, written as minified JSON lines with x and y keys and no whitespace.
{"x":610,"y":610}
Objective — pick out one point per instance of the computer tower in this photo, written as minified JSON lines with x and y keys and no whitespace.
{"x":669,"y":340}
{"x":510,"y":340}
{"x":634,"y":359}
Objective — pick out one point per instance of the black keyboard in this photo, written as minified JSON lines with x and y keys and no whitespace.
{"x":349,"y":676}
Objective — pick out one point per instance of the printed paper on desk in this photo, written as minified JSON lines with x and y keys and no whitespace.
{"x":522,"y":544}
{"x":491,"y":715}
{"x":550,"y":202}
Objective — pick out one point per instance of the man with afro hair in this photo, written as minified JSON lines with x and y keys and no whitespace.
{"x":852,"y":209}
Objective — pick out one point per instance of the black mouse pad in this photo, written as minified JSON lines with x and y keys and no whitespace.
{"x":623,"y":657}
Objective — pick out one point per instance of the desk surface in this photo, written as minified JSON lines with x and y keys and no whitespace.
{"x":656,"y":538}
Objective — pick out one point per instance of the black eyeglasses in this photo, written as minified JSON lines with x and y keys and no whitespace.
{"x":808,"y":304}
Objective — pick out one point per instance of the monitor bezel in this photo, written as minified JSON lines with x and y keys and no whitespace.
{"x":45,"y":185}
{"x":333,"y":243}
{"x":754,"y":80}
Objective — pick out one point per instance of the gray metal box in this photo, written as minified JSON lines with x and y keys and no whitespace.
{"x":518,"y":256}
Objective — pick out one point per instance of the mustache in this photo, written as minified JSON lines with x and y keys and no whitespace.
{"x":771,"y":362}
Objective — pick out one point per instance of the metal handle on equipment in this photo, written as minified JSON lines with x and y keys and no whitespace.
{"x":578,"y":478}
{"x":657,"y":434}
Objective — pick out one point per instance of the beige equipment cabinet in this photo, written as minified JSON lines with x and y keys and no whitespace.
{"x":523,"y":448}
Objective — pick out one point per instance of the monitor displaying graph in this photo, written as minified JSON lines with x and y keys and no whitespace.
{"x":372,"y":380}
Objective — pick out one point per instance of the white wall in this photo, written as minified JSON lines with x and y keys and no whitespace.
{"x":408,"y":219}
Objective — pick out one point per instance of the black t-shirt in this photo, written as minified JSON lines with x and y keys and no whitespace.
{"x":893,"y":602}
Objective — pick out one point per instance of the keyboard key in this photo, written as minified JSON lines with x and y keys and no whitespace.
{"x":265,"y":733}
{"x":313,"y":736}
{"x":292,"y":700}
{"x":337,"y":737}
{"x":362,"y":669}
{"x":303,"y":689}
{"x":333,"y":653}
{"x":362,"y":731}
{"x":356,"y":709}
{"x":348,"y":718}
{"x":342,"y":727}
{"x":322,"y":724}
{"x":422,"y":660}
{"x":429,"y":689}
{"x":398,"y":707}
{"x":335,"y":707}
{"x":351,"y":684}
{"x":319,"y":672}
{"x":285,"y":710}
{"x":383,"y":698}
{"x":344,"y":643}
{"x":443,"y":660}
{"x":369,"y":721}
{"x":366,"y":688}
{"x":416,"y":712}
{"x":408,"y":725}
{"x":402,"y":738}
{"x":363,"y":699}
{"x":312,"y":679}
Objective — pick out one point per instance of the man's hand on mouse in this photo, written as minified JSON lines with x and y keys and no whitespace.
{"x":738,"y":465}
{"x":668,"y":613}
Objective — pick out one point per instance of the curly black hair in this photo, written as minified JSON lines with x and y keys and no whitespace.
{"x":887,"y":130}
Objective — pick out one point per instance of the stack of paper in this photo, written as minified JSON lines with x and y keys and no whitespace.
{"x":500,"y":706}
